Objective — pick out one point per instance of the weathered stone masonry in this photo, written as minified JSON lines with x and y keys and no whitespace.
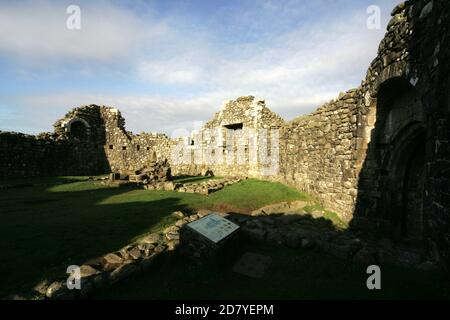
{"x":377,"y":153}
{"x":318,"y":153}
{"x":88,"y":140}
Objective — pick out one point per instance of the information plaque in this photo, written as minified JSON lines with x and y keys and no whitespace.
{"x":214,"y":227}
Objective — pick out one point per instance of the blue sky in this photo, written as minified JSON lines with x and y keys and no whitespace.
{"x":169,"y":64}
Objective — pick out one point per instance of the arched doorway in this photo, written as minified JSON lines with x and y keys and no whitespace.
{"x":403,"y":187}
{"x":400,"y":148}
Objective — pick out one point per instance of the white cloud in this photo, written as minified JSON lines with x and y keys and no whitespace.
{"x":35,"y":33}
{"x":170,"y":72}
{"x":295,"y":69}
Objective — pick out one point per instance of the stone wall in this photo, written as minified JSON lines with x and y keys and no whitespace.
{"x":318,"y":153}
{"x":128,"y":152}
{"x":27,"y":156}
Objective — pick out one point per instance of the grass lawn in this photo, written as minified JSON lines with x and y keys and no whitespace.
{"x":294,"y":274}
{"x":46,"y":227}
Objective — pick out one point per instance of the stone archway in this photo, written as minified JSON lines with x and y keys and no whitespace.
{"x":78,"y":128}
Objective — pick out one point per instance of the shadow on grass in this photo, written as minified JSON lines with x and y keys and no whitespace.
{"x":43,"y":232}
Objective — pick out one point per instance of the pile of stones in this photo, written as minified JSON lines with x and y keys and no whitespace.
{"x":208,"y":186}
{"x":204,"y":188}
{"x":155,"y":172}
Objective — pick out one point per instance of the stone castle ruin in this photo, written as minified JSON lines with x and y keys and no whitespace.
{"x":378,"y":154}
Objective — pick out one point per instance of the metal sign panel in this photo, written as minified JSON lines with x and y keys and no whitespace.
{"x":214,"y":227}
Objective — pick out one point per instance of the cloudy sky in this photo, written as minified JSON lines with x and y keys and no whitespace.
{"x":169,"y":64}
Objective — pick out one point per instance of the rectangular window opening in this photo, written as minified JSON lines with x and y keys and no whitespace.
{"x":234,"y":126}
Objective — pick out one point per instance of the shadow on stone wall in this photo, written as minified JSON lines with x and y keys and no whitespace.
{"x":403,"y":185}
{"x":391,"y":181}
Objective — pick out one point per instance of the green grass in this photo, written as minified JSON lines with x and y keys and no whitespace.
{"x":46,"y":228}
{"x":329,"y":215}
{"x":294,"y":274}
{"x":252,"y":194}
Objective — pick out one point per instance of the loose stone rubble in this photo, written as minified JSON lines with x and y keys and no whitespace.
{"x":208,"y":186}
{"x":154,"y":172}
{"x":204,"y":188}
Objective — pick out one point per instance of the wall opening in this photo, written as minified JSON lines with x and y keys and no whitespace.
{"x":234,"y":126}
{"x":403,"y":185}
{"x":78,"y":130}
{"x":400,"y":146}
